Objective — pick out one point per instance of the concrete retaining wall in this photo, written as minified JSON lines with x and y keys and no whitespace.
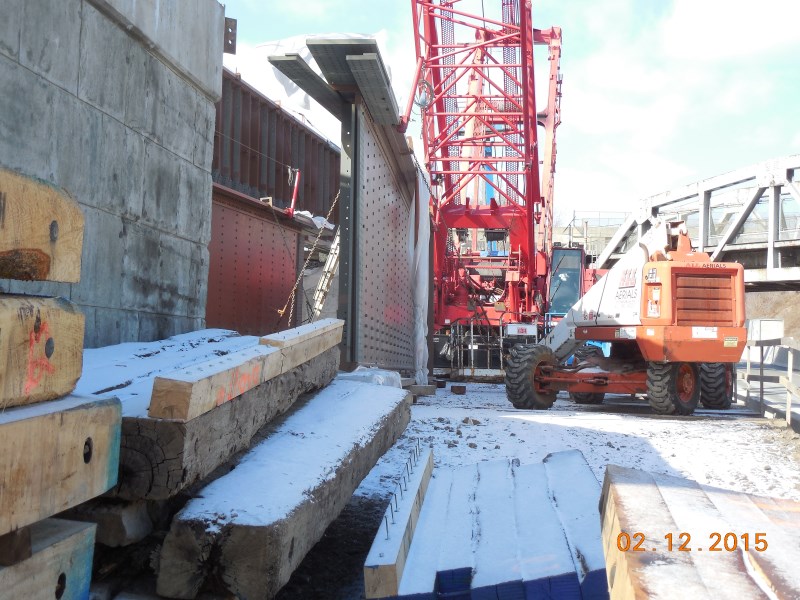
{"x":113,"y":100}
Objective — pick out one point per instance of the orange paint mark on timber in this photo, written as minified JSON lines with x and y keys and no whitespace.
{"x":240,"y":382}
{"x":37,"y":367}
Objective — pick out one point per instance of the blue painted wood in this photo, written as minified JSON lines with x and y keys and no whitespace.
{"x":561,"y":587}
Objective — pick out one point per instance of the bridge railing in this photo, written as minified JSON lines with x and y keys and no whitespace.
{"x":776,"y":374}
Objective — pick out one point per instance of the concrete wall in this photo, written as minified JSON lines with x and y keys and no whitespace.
{"x":122,"y":117}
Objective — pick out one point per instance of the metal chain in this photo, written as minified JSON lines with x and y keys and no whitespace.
{"x":290,"y":301}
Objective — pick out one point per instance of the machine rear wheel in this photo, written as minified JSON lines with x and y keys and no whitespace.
{"x":673,"y":388}
{"x":716,"y":385}
{"x":521,"y":386}
{"x":587,"y":397}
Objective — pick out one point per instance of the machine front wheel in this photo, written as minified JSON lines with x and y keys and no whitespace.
{"x":522,"y":389}
{"x":673,"y":388}
{"x":716,"y":385}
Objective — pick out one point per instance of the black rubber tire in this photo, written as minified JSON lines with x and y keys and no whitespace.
{"x":716,"y":385}
{"x":673,"y":388}
{"x":587,"y":397}
{"x":521,"y":389}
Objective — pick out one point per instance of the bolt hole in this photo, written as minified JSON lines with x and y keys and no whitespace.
{"x":61,"y":586}
{"x":87,"y":450}
{"x":49,"y":347}
{"x":53,"y":231}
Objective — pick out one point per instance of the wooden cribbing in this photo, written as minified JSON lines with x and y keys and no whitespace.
{"x":188,"y":393}
{"x":41,"y":349}
{"x":41,"y":231}
{"x":60,"y":565}
{"x":383,"y":569}
{"x":54,"y":456}
{"x":161,"y":457}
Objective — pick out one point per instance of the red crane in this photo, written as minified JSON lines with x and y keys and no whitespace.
{"x":491,"y":200}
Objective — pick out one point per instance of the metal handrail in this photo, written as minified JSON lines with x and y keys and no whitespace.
{"x":792,"y":390}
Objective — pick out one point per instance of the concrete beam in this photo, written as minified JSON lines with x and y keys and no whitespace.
{"x":253,"y":526}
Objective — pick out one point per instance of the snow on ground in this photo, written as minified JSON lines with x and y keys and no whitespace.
{"x":730,"y":450}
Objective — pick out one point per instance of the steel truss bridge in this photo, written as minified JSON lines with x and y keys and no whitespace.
{"x":750,"y":216}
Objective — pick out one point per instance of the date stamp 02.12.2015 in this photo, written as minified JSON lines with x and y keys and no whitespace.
{"x":682,"y":542}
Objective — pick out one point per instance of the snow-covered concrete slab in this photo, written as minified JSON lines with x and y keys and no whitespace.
{"x":575,"y":494}
{"x":251,"y":528}
{"x":419,"y":575}
{"x":497,"y":530}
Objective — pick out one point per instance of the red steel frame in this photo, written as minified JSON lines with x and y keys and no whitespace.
{"x":478,"y":74}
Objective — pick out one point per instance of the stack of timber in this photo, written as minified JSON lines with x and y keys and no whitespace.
{"x":665,"y":536}
{"x":496,"y":530}
{"x":56,"y":450}
{"x":190,"y":403}
{"x":247,"y":531}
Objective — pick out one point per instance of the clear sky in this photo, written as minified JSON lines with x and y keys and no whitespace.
{"x":656,"y":93}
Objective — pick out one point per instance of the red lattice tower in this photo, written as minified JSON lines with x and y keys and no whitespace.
{"x":475,"y":90}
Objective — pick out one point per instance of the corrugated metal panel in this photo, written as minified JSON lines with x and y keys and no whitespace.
{"x":254,"y":142}
{"x":252,"y":269}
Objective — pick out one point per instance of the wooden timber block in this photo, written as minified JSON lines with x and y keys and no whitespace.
{"x":459,"y":389}
{"x":15,"y":546}
{"x":41,"y":349}
{"x":60,"y":565}
{"x":56,"y":455}
{"x":188,"y":393}
{"x":161,"y":457}
{"x":119,"y":523}
{"x":255,"y":525}
{"x":383,"y":568}
{"x":423,"y":390}
{"x":646,"y":507}
{"x":41,"y":231}
{"x":294,"y":336}
{"x":441,"y":383}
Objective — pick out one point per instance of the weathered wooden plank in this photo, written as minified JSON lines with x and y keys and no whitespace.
{"x":253,"y":526}
{"x":637,"y":506}
{"x":41,"y":231}
{"x":60,"y":565}
{"x":41,"y":349}
{"x":188,"y":393}
{"x":576,"y":494}
{"x":631,"y":504}
{"x":290,"y":337}
{"x":383,"y":568}
{"x":160,"y":457}
{"x":56,"y":455}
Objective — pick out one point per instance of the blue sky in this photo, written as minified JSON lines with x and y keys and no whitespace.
{"x":656,"y":93}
